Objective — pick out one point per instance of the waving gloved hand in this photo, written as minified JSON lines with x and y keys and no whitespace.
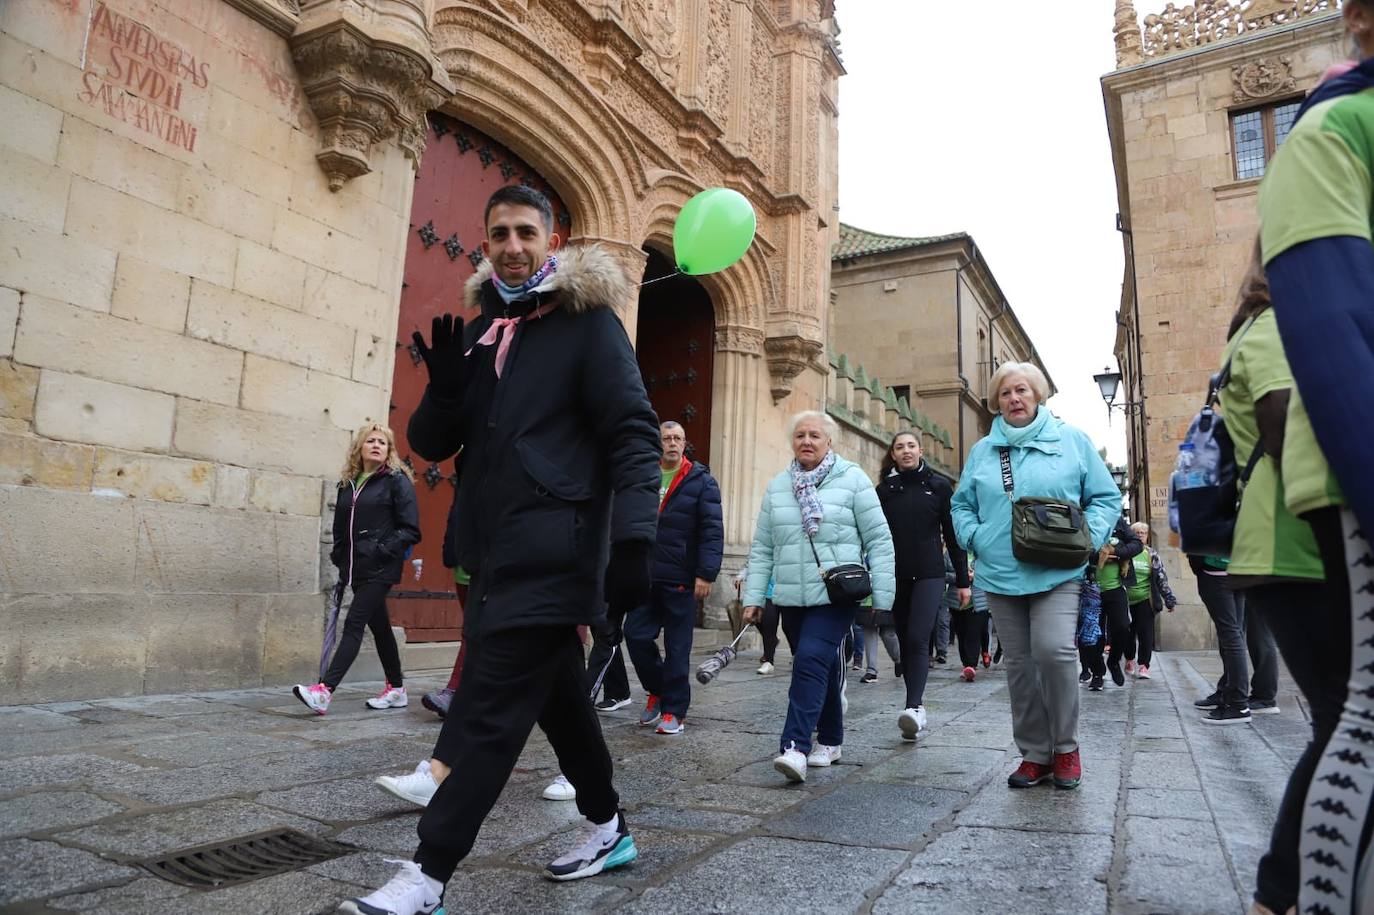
{"x":443,"y":356}
{"x":628,"y":582}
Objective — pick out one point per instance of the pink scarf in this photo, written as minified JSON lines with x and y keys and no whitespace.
{"x":499,"y":334}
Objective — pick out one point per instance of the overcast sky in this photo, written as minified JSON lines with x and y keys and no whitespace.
{"x":987,"y":118}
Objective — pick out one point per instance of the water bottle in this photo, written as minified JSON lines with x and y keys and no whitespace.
{"x":1173,"y":502}
{"x":1186,"y":456}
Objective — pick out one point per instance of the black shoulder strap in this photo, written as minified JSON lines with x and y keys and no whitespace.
{"x":1251,"y":464}
{"x":1008,"y":483}
{"x":1223,"y":378}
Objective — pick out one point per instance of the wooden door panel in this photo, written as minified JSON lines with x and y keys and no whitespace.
{"x":675,"y":345}
{"x":461,"y":168}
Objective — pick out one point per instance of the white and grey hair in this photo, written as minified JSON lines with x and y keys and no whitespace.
{"x":827,"y":422}
{"x":1028,"y":370}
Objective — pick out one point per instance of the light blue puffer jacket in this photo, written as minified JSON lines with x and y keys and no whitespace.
{"x":852,"y":525}
{"x":1060,"y":463}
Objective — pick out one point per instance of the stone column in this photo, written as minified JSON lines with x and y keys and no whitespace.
{"x":1127,"y":32}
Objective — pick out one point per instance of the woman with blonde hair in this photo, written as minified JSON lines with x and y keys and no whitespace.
{"x":375,"y":522}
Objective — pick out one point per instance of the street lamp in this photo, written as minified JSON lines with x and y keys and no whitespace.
{"x":1109,"y":382}
{"x":1119,"y":478}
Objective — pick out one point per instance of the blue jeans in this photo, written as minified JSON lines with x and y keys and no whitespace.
{"x":856,"y":633}
{"x":672,"y":609}
{"x":813,"y":701}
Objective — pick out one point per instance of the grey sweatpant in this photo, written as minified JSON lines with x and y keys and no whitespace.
{"x":1037,"y":632}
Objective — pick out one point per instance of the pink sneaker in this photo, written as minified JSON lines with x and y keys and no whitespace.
{"x":969,"y":674}
{"x":1143,"y":672}
{"x":1130,"y":666}
{"x":389,"y":697}
{"x":316,"y":697}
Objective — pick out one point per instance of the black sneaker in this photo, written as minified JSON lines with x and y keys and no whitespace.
{"x":1095,"y":684}
{"x":1263,"y":708}
{"x":1227,"y":714}
{"x":597,"y":853}
{"x":1211,"y":702}
{"x":869,"y":676}
{"x":997,"y":655}
{"x":897,"y":671}
{"x":1084,"y":675}
{"x":1114,"y":668}
{"x":612,"y":705}
{"x":940,"y":659}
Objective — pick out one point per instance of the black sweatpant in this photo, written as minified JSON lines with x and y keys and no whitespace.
{"x":368,"y":611}
{"x":971,"y":629}
{"x":616,"y":684}
{"x":1117,"y":610}
{"x":1143,"y":633}
{"x":513,"y":679}
{"x":915,"y":612}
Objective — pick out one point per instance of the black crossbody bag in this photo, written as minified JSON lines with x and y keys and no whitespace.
{"x":1046,"y":532}
{"x":847,"y":583}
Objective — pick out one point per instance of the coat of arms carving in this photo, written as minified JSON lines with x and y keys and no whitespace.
{"x":1264,"y":78}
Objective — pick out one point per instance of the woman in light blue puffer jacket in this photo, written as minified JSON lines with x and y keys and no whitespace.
{"x":832,"y":500}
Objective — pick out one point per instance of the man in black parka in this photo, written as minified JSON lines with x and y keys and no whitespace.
{"x":560,"y":469}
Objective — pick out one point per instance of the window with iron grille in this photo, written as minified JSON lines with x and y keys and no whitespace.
{"x":1257,"y":132}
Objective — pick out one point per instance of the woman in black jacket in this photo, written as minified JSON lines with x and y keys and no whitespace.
{"x":375,"y":523}
{"x":916,"y":502}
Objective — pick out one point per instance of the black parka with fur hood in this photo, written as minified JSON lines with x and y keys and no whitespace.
{"x":546,"y":447}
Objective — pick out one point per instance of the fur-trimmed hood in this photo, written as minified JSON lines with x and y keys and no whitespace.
{"x":588,"y":277}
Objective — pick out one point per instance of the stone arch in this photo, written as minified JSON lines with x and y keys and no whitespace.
{"x":565,"y":131}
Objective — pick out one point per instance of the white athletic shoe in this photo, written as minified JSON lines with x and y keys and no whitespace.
{"x":765,"y":669}
{"x":791,"y":764}
{"x":822,"y":756}
{"x":410,"y":892}
{"x":912,"y":721}
{"x":389,"y":697}
{"x":315,"y":697}
{"x":560,"y":789}
{"x":417,"y":787}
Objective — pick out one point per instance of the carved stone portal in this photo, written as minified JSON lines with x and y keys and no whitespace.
{"x":1256,"y":80}
{"x":788,"y":357}
{"x":364,"y":91}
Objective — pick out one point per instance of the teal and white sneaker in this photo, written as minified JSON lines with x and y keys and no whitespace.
{"x":607,"y":847}
{"x":410,"y":892}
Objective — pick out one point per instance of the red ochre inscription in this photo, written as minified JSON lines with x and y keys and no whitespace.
{"x":140,"y":77}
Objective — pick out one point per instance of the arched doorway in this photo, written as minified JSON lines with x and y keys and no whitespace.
{"x":675,"y":344}
{"x":461,"y":168}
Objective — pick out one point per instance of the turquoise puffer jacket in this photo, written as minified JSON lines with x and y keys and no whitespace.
{"x":1060,"y":463}
{"x":852,"y":525}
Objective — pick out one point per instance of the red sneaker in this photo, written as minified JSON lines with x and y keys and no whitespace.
{"x":651,"y":713}
{"x":1068,"y":770}
{"x":969,"y":674}
{"x":1029,"y":774}
{"x":987,"y":659}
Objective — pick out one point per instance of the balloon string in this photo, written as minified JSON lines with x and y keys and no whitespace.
{"x":660,"y":279}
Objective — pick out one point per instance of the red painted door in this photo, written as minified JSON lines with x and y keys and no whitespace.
{"x":460,"y":170}
{"x":675,"y":343}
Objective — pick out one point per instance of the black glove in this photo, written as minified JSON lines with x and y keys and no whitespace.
{"x":628,"y":580}
{"x":444,"y":356}
{"x":612,"y":632}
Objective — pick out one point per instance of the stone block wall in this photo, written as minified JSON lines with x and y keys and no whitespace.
{"x":191,"y":324}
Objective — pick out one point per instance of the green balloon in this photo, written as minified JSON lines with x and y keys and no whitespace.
{"x":713,"y":231}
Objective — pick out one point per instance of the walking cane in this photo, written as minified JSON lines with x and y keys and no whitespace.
{"x":720,"y":660}
{"x":330,"y":627}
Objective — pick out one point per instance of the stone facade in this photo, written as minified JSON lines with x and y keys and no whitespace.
{"x":926,"y":315}
{"x":203,"y":213}
{"x":1189,"y":223}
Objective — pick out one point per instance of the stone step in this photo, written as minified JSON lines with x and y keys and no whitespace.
{"x":430,"y":655}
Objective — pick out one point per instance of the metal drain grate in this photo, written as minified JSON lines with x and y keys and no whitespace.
{"x":244,"y":859}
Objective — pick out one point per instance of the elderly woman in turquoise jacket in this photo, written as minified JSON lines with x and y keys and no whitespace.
{"x":1035,"y":607}
{"x":831,"y":502}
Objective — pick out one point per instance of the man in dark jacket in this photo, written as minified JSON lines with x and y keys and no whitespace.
{"x":544,"y":397}
{"x":687,"y":555}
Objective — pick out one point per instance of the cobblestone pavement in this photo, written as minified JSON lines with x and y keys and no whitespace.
{"x":1172,"y":815}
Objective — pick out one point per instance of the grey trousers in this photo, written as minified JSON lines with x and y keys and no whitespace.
{"x":1037,"y":632}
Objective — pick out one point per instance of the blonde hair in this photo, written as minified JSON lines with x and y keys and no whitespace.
{"x":354,"y":465}
{"x":1028,"y":370}
{"x":831,"y":428}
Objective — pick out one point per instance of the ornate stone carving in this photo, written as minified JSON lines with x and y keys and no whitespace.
{"x":658,"y":26}
{"x":1127,"y":32}
{"x":1264,"y":78}
{"x":281,"y":16}
{"x":788,"y":357}
{"x":1180,"y":29}
{"x":735,"y":339}
{"x":363,"y":92}
{"x":717,"y":71}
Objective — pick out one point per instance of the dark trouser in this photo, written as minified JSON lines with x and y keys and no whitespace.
{"x":768,"y":631}
{"x":672,"y":609}
{"x":1117,"y":610}
{"x":813,"y":700}
{"x":915,"y":610}
{"x":1143,"y":632}
{"x":368,"y":611}
{"x":457,"y":674}
{"x":1227,"y":610}
{"x":1264,"y":657}
{"x":513,"y":679}
{"x":616,"y":684}
{"x":971,"y":629}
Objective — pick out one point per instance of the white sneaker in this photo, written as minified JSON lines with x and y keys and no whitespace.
{"x":791,"y":764}
{"x":315,"y":697}
{"x":410,"y":892}
{"x":560,"y":789}
{"x":389,"y":697}
{"x":765,"y":669}
{"x":417,"y":787}
{"x":912,"y":721}
{"x":822,"y":756}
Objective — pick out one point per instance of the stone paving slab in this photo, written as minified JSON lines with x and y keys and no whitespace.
{"x":1171,"y":817}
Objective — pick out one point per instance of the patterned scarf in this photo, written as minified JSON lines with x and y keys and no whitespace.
{"x":804,"y":484}
{"x":512,"y":293}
